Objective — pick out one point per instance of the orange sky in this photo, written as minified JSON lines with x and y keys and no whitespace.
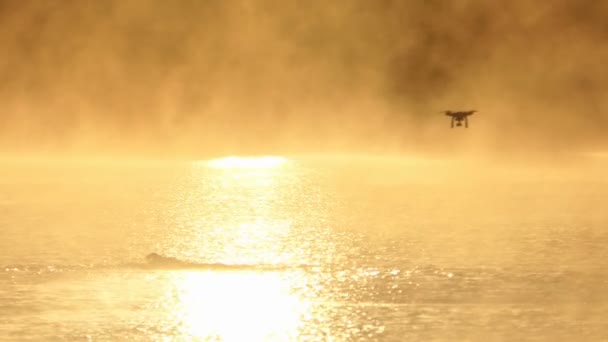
{"x":196,"y":77}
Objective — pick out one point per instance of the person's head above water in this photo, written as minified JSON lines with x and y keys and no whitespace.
{"x":153,"y":257}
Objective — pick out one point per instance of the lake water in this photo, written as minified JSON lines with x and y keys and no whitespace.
{"x":319,"y":250}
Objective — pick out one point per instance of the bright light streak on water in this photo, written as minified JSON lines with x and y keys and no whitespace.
{"x":235,"y":306}
{"x":247,"y":162}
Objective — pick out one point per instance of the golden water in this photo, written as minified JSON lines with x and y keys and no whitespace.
{"x":342,"y":250}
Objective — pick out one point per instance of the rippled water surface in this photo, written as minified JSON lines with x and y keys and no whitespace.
{"x":273,"y":249}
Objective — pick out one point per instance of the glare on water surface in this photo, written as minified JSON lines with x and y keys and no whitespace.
{"x":241,"y":305}
{"x":235,"y":306}
{"x":235,"y":211}
{"x":247,"y":162}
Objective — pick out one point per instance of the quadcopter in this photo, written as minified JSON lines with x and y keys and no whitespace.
{"x":459,"y":117}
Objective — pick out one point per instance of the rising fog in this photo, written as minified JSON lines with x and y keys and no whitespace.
{"x":204,"y":77}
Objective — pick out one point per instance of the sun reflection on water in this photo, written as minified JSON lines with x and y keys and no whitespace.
{"x":244,"y":226}
{"x":236,"y":306}
{"x":234,"y":162}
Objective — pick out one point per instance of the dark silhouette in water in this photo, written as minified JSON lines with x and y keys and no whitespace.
{"x":156,"y":260}
{"x":161,"y":261}
{"x":459,"y":117}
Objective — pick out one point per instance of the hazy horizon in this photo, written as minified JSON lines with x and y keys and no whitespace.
{"x":206,"y":78}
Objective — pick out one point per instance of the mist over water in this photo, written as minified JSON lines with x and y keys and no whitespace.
{"x":292,"y":158}
{"x":199,"y":78}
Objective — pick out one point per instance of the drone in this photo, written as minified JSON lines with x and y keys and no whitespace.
{"x":459,"y":117}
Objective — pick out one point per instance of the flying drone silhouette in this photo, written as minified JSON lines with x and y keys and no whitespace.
{"x":459,"y":117}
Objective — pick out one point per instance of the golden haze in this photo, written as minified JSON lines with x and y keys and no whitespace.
{"x":196,"y":79}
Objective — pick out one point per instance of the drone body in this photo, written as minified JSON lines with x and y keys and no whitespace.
{"x":459,"y":117}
